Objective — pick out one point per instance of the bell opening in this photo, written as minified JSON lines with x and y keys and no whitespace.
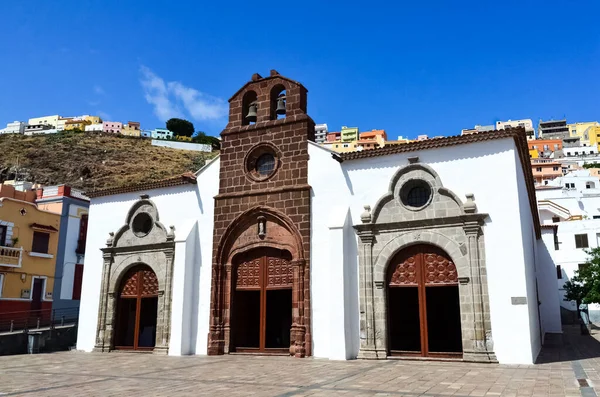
{"x":249,"y":108}
{"x":278,"y":102}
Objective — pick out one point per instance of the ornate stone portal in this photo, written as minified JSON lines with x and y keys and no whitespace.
{"x":418,"y":210}
{"x":143,"y":240}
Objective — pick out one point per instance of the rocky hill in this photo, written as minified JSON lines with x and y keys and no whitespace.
{"x":92,"y":161}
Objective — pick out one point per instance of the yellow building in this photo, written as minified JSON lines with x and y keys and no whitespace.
{"x":588,"y":132}
{"x":46,"y":120}
{"x":75,"y":124}
{"x":132,"y":128}
{"x":28,"y":249}
{"x":534,"y":154}
{"x":93,"y":119}
{"x":183,"y":138}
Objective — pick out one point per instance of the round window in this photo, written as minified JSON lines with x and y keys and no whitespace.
{"x":265,"y":164}
{"x":415,"y":193}
{"x":261,"y":162}
{"x":142,"y":224}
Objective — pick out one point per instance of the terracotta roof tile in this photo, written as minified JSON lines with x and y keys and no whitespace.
{"x":182,"y":179}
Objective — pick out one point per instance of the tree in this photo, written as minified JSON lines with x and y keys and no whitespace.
{"x":584,"y":286}
{"x":180,"y":127}
{"x":201,"y":137}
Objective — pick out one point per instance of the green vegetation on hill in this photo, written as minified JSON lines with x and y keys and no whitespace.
{"x":92,"y":160}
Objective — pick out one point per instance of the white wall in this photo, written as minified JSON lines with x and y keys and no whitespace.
{"x":107,"y":214}
{"x":329,"y":260}
{"x":473,"y":168}
{"x":199,"y":147}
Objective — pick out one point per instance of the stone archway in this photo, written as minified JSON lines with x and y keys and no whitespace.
{"x":423,"y":304}
{"x":142,"y":241}
{"x":136,"y":310}
{"x":260,"y":228}
{"x":438,"y":219}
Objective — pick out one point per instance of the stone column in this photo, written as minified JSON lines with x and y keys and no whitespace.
{"x":368,"y":348}
{"x":164,"y":307}
{"x":480,"y":342}
{"x":226,"y":297}
{"x":102,"y":306}
{"x":297,"y":333}
{"x":215,"y":336}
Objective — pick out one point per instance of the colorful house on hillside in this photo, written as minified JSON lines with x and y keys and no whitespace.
{"x":72,"y":206}
{"x":112,"y":126}
{"x":132,"y":128}
{"x":28,"y":249}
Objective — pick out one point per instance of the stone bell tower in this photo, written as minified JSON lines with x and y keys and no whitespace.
{"x":263,"y":203}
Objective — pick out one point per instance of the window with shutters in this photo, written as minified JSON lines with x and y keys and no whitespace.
{"x":581,"y":241}
{"x":82,"y":234}
{"x":77,"y":280}
{"x":40,"y":242}
{"x":558,"y":272}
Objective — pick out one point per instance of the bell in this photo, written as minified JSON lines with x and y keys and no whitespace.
{"x":251,"y":116}
{"x":280,"y":105}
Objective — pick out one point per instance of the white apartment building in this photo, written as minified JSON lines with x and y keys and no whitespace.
{"x":526,"y":123}
{"x":94,"y":127}
{"x":571,"y":206}
{"x":40,"y":129}
{"x":45,"y":120}
{"x":16,"y":127}
{"x":320,"y":133}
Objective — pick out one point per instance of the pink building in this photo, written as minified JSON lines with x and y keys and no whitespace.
{"x":112,"y":126}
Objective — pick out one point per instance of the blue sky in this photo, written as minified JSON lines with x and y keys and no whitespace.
{"x":428,"y":67}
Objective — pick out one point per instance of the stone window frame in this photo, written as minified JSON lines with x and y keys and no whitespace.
{"x":253,"y":155}
{"x":124,"y":250}
{"x":447,"y":223}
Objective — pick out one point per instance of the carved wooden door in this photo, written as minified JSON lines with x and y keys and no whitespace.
{"x":137,"y":310}
{"x":262,"y":306}
{"x":423,"y":304}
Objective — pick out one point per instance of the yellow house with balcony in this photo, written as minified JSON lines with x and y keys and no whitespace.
{"x":93,"y":119}
{"x":74,"y":124}
{"x":587,"y":132}
{"x":28,"y":249}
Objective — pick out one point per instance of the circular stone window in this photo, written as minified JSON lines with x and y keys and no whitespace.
{"x":261,"y":163}
{"x":415,"y":193}
{"x":142,"y":224}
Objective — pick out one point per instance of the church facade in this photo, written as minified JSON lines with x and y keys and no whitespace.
{"x":278,"y":246}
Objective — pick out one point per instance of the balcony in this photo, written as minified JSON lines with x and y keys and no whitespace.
{"x":10,"y":256}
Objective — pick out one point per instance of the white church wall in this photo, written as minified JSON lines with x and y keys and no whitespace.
{"x":531,"y":265}
{"x":330,"y":241}
{"x":207,"y":188}
{"x":550,"y":307}
{"x":107,"y":214}
{"x":183,"y":318}
{"x":472,"y":168}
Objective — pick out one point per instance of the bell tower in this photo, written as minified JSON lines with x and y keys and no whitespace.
{"x":263,"y":203}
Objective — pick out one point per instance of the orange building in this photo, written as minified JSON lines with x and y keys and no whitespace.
{"x":544,"y":147}
{"x":545,"y":170}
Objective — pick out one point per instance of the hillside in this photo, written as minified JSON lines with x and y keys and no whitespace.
{"x":92,"y":161}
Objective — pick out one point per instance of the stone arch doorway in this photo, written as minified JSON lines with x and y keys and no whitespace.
{"x":137,"y":307}
{"x":423,"y":302}
{"x":261,"y":318}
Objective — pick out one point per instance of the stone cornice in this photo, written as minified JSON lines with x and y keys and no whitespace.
{"x":450,"y":221}
{"x":164,"y":247}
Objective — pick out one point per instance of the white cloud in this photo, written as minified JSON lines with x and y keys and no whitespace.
{"x":98,"y":90}
{"x":103,"y":115}
{"x":173,"y":99}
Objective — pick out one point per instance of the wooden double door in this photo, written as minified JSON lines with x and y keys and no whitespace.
{"x":137,"y":309}
{"x":261,"y":318}
{"x":423,"y":304}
